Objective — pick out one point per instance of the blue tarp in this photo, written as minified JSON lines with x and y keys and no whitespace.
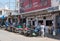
{"x":2,"y":17}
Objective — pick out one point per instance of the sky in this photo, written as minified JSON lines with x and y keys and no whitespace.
{"x":3,"y":3}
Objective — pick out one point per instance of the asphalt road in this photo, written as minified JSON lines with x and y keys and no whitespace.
{"x":9,"y":36}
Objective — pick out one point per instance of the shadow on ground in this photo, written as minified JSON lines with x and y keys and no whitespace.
{"x":54,"y":37}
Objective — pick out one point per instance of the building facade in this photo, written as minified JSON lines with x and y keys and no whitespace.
{"x":4,"y":12}
{"x":38,"y":11}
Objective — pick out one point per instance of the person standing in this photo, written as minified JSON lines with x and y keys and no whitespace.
{"x":53,"y":30}
{"x":42,"y":29}
{"x":46,"y":31}
{"x":6,"y":24}
{"x":37,"y":28}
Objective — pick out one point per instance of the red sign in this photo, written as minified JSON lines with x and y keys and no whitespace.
{"x":31,"y":5}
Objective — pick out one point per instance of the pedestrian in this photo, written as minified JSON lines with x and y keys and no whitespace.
{"x":42,"y":29}
{"x":53,"y":30}
{"x":46,"y":31}
{"x":37,"y":28}
{"x":6,"y":24}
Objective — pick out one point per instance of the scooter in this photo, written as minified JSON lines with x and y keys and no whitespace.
{"x":27,"y":31}
{"x":20,"y":31}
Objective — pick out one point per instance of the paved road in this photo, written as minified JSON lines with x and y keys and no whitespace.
{"x":8,"y":36}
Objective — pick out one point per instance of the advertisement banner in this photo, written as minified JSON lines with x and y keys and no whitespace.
{"x":31,"y":5}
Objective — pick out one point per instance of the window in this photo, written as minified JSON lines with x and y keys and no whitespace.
{"x":40,"y":21}
{"x":24,"y":20}
{"x":33,"y":22}
{"x":48,"y":22}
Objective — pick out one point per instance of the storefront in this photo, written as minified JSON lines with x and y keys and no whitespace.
{"x":40,"y":12}
{"x":39,"y":17}
{"x":48,"y":18}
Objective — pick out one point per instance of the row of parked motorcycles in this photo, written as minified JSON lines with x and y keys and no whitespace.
{"x":23,"y":30}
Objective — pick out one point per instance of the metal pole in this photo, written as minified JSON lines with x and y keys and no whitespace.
{"x":9,"y":4}
{"x":15,"y":4}
{"x":18,"y":6}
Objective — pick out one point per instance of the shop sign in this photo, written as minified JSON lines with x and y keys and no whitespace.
{"x":51,"y":9}
{"x":31,"y":5}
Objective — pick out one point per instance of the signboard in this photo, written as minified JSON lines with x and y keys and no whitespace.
{"x":51,"y":9}
{"x":31,"y":5}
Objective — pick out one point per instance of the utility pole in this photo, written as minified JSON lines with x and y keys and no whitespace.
{"x":15,"y":4}
{"x":9,"y":8}
{"x":9,"y":4}
{"x":18,"y":6}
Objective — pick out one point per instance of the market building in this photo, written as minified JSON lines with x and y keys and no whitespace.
{"x":46,"y":11}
